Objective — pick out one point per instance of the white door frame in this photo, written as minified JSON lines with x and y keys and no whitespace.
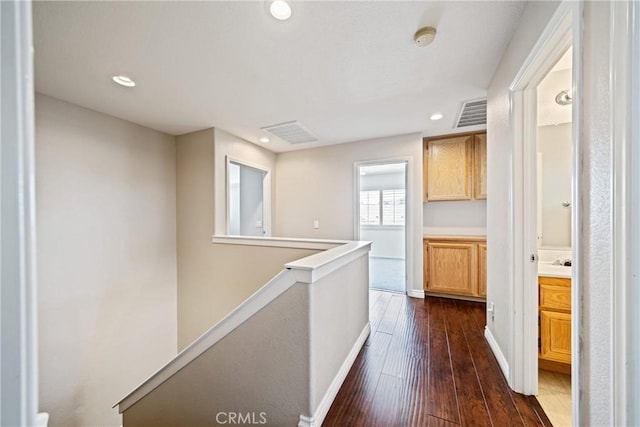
{"x":266,"y":194}
{"x":559,"y":34}
{"x":625,"y":134}
{"x":408,"y":220}
{"x":18,"y":290}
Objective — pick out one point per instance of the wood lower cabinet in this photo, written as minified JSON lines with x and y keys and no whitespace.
{"x":455,"y":266}
{"x":555,"y":324}
{"x":482,"y":269}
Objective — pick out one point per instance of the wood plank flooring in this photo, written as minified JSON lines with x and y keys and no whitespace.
{"x":426,"y":363}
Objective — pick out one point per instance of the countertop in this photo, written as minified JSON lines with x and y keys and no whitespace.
{"x":454,"y":231}
{"x":547,"y":269}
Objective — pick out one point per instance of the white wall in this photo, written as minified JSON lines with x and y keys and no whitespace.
{"x":318,"y":184}
{"x":230,"y":145}
{"x":462,"y":215}
{"x":106,"y":217}
{"x":387,"y":242}
{"x":554,"y":142}
{"x":499,"y":178}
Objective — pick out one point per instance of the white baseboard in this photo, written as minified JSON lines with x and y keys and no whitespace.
{"x":502,"y":361}
{"x":413,"y":293}
{"x":323,"y":408}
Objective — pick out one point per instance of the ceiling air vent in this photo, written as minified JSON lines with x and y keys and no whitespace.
{"x":473,"y":113}
{"x":292,"y":132}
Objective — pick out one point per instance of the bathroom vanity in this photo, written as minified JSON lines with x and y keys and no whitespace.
{"x":554,"y":321}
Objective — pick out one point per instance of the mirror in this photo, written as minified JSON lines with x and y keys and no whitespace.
{"x":246,"y":205}
{"x":555,"y":157}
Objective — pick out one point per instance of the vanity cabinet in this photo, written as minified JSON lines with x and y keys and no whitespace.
{"x":455,"y":266}
{"x":554,"y":342}
{"x":455,"y":167}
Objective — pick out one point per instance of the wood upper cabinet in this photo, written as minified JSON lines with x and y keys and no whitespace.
{"x":452,"y":265}
{"x":455,"y":167}
{"x":448,"y":168}
{"x":480,"y":166}
{"x":555,"y":324}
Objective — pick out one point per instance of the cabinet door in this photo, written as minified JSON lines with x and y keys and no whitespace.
{"x":480,"y":166}
{"x":425,"y":265}
{"x":451,"y":267}
{"x":482,"y":269}
{"x":555,"y":336}
{"x":447,"y":165}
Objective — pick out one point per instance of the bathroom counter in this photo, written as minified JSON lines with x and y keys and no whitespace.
{"x":547,"y":269}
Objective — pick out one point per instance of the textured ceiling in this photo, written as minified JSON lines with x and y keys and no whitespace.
{"x":346,"y":70}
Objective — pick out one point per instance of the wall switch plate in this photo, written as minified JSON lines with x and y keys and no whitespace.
{"x":316,"y":224}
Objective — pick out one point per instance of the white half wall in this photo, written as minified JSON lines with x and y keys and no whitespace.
{"x":318,"y":184}
{"x":213,"y":279}
{"x":106,"y":218}
{"x":499,"y":170}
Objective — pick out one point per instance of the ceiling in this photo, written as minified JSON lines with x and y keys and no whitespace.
{"x":558,"y":79}
{"x":346,"y":70}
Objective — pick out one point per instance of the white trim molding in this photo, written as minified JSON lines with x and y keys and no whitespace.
{"x":625,"y":100}
{"x":18,"y":290}
{"x":325,"y":404}
{"x":414,"y":293}
{"x":266,"y":192}
{"x":497,"y":352}
{"x":278,"y":242}
{"x":315,"y":267}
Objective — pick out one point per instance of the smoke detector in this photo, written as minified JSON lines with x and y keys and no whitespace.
{"x":424,"y":36}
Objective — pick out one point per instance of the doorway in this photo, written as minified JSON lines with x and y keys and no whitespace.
{"x":554,"y":172}
{"x":529,"y":318}
{"x":247,"y":192}
{"x":382,"y":220}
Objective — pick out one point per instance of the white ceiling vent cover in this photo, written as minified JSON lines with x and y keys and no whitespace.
{"x":473,"y":113}
{"x":292,"y":132}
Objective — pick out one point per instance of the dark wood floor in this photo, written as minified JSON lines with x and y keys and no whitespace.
{"x":426,"y":363}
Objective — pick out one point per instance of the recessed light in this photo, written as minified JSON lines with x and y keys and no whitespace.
{"x":436,"y":116}
{"x":280,"y":10}
{"x":124,"y":81}
{"x":264,"y":139}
